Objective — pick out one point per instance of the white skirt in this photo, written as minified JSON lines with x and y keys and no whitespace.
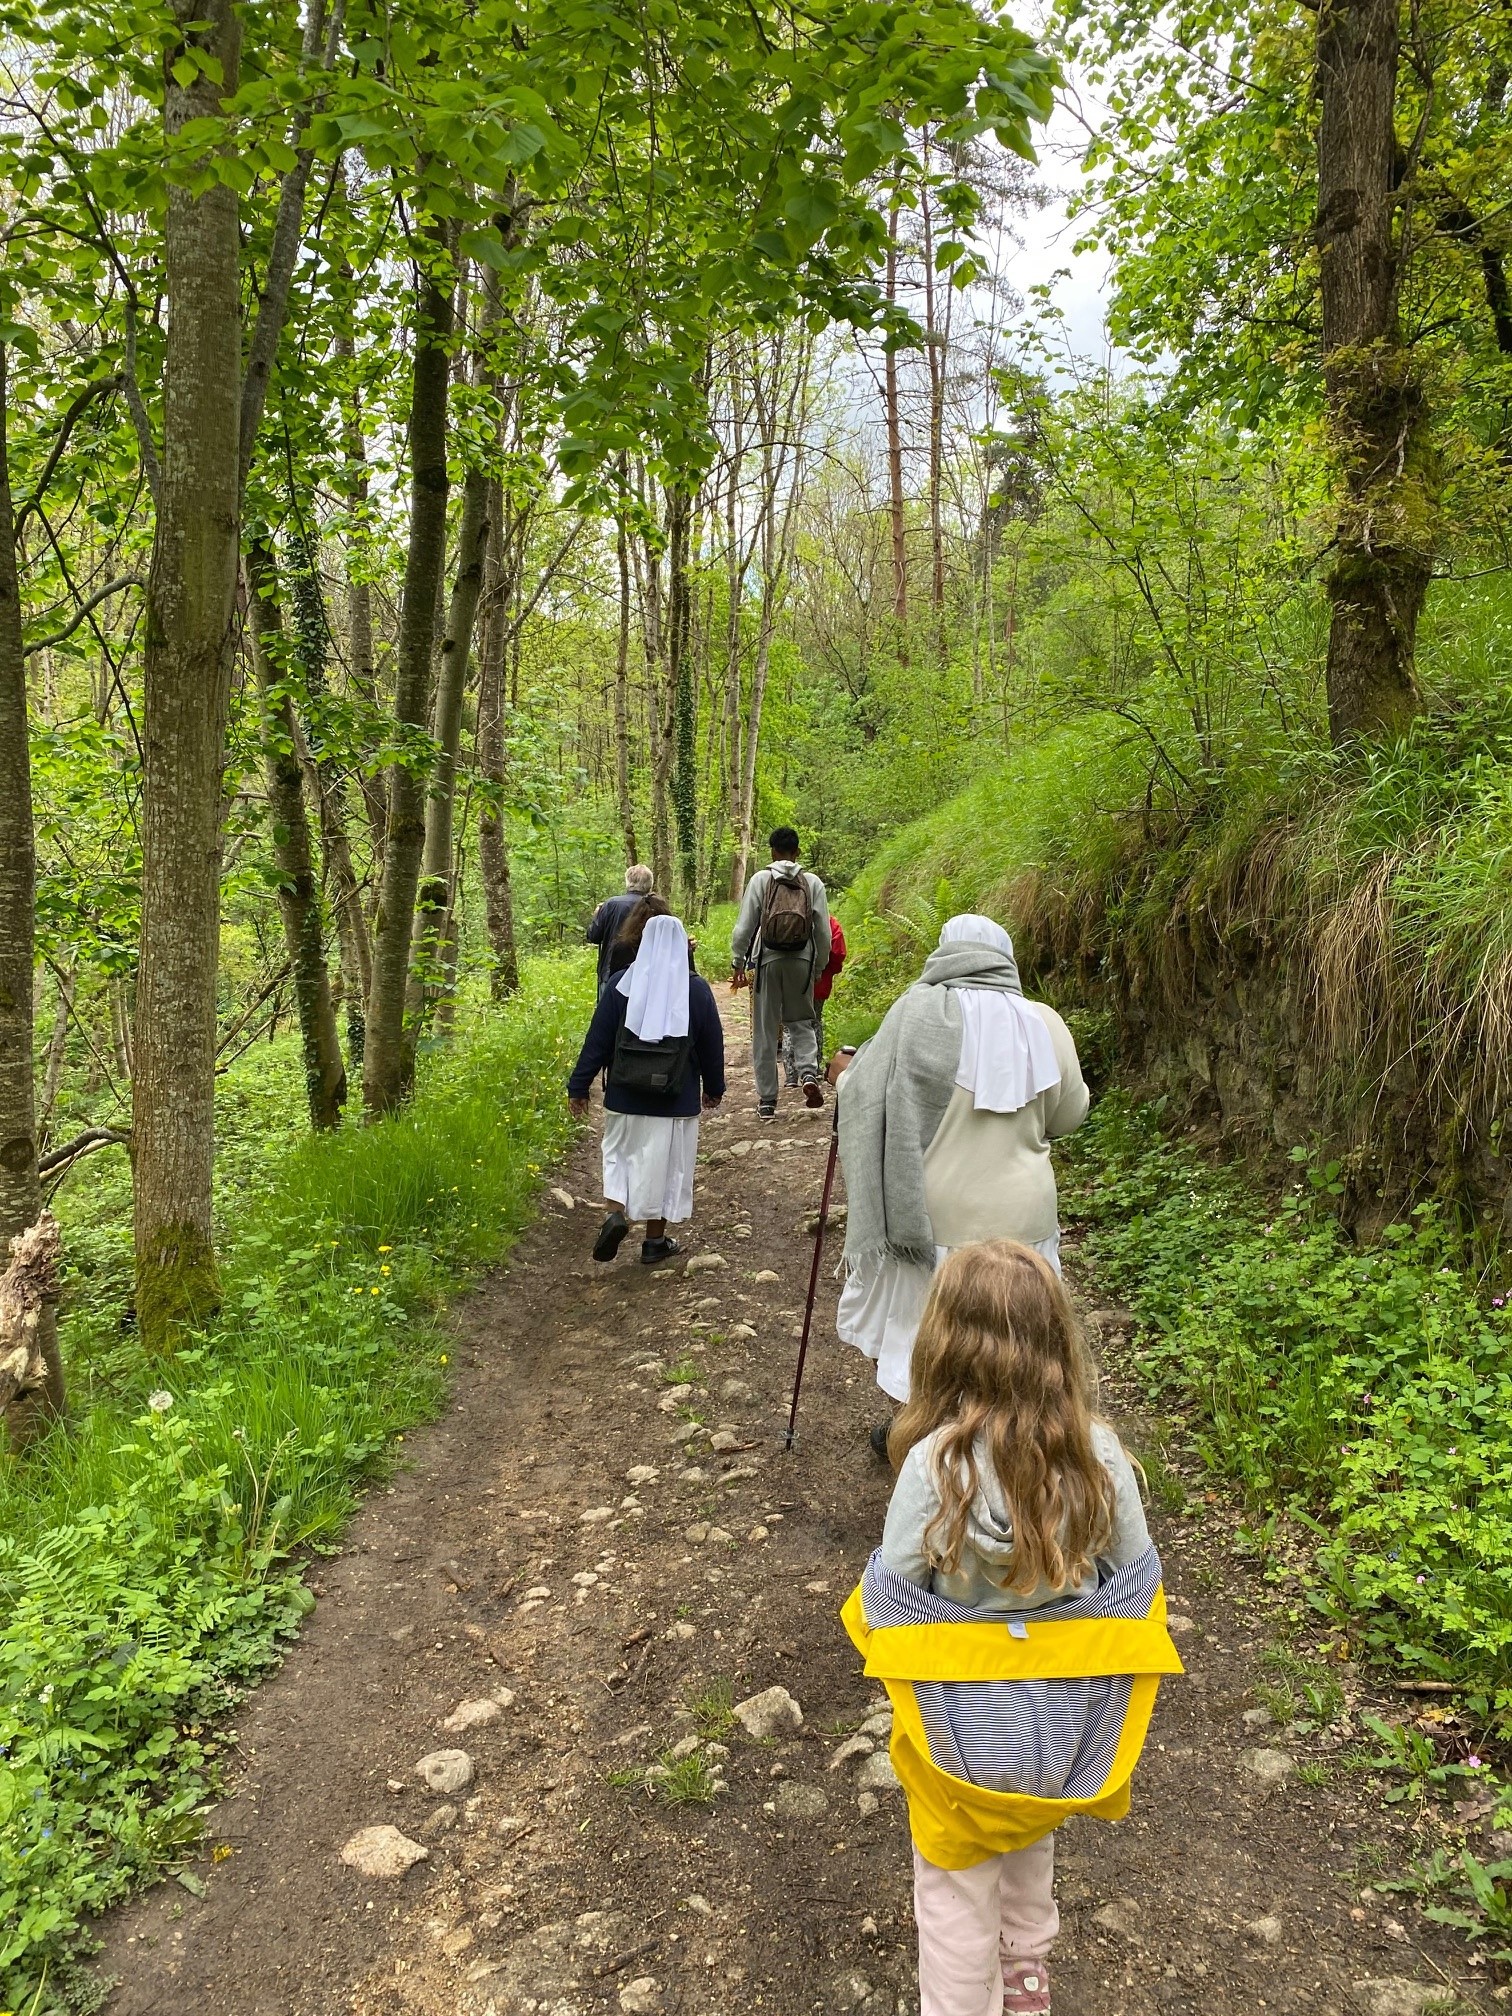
{"x":880,"y":1310}
{"x":648,"y":1164}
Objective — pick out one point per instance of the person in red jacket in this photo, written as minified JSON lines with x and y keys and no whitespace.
{"x":822,"y":986}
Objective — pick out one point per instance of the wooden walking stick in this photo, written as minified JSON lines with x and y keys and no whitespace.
{"x":813,"y":1287}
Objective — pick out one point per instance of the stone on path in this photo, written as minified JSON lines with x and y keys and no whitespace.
{"x":768,"y":1274}
{"x":1123,"y":1917}
{"x":706,"y":1263}
{"x":596,"y":1515}
{"x":854,"y":1746}
{"x":642,"y":1473}
{"x":641,"y":1996}
{"x":879,"y":1723}
{"x":1395,"y":1997}
{"x":1271,"y":1767}
{"x":1179,"y":1626}
{"x":446,"y":1771}
{"x":470,"y":1715}
{"x":439,"y":1822}
{"x":867,"y":1804}
{"x":773,"y":1712}
{"x":1266,"y":1930}
{"x":794,"y":1801}
{"x":382,"y":1851}
{"x":877,"y":1774}
{"x":1258,"y":1718}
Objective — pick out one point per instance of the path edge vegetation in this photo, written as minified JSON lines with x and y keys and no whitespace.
{"x":152,"y":1556}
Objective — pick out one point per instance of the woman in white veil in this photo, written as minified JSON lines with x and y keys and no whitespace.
{"x":656,"y":1037}
{"x":946,"y":1118}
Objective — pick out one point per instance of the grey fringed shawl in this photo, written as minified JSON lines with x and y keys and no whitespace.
{"x":893,"y":1098}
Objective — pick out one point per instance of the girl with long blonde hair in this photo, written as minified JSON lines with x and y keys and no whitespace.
{"x":1013,"y":1503}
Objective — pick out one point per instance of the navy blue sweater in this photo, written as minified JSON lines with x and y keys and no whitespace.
{"x":706,"y":1071}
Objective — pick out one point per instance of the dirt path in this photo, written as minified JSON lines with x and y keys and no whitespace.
{"x":568,"y":1541}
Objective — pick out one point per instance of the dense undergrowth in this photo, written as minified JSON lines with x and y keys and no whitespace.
{"x":148,"y":1554}
{"x":1366,"y":1390}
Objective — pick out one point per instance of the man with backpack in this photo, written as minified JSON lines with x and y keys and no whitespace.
{"x":780,"y":946}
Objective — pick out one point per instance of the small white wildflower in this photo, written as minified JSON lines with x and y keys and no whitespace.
{"x":160,"y":1401}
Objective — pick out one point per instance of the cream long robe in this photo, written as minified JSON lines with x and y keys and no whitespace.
{"x":986,"y":1176}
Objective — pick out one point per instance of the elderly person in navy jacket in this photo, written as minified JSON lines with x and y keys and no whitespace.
{"x":656,"y":1035}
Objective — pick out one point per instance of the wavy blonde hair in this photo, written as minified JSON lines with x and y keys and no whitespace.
{"x":1000,"y":1360}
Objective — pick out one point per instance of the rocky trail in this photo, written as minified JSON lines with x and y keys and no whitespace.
{"x":529,"y":1676}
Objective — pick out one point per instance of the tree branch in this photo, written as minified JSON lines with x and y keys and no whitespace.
{"x":80,"y":401}
{"x":100,"y":595}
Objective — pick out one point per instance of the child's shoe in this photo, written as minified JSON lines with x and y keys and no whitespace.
{"x":1026,"y":1989}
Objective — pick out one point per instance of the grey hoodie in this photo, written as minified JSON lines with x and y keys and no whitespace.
{"x":745,"y":945}
{"x":977,"y":1581}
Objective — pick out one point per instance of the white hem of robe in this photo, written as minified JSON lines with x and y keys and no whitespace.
{"x":648,"y":1164}
{"x":880,"y":1311}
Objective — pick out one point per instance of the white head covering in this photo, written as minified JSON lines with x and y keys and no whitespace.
{"x":656,"y":982}
{"x":1007,"y":1056}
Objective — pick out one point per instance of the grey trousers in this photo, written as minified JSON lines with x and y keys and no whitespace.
{"x":785,"y":1047}
{"x":782,"y":998}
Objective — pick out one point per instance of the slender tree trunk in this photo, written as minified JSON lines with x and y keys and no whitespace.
{"x":57,"y":1050}
{"x":934,"y":343}
{"x":383,"y":1079}
{"x":359,"y":594}
{"x":191,"y":595}
{"x":895,"y":438}
{"x":20,"y":1191}
{"x":1384,"y":541}
{"x":493,"y":845}
{"x":622,"y":698}
{"x":435,"y":895}
{"x":118,"y":1005}
{"x":684,"y":696}
{"x":298,"y":892}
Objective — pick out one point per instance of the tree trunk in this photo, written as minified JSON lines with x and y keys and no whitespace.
{"x":895,"y":437}
{"x":56,"y":1052}
{"x":191,"y":594}
{"x":435,"y":900}
{"x":622,"y":699}
{"x":934,"y":345}
{"x":359,"y":594}
{"x":383,"y":1076}
{"x":20,"y":1191}
{"x":298,"y":893}
{"x":684,"y":696}
{"x":1384,"y":539}
{"x":493,"y":846}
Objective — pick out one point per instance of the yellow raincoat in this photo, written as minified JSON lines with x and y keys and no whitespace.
{"x":955,"y":1823}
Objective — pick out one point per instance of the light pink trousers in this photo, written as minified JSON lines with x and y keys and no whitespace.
{"x":974,"y":1922}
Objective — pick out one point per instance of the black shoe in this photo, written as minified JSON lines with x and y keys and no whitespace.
{"x":879,"y":1436}
{"x":610,"y":1236}
{"x":765,"y":1112}
{"x":654,"y":1251}
{"x":813,"y":1093}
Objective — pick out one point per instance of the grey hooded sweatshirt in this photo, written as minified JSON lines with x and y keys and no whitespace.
{"x":977,"y":1581}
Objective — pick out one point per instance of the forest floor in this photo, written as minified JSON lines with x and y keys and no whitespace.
{"x":566,"y":1547}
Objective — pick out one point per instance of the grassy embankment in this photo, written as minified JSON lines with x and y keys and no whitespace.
{"x":149,"y":1556}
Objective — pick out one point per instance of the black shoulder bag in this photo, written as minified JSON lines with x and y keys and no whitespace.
{"x":655,"y":1068}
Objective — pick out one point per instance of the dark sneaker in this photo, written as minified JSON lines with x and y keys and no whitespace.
{"x":610,"y":1236}
{"x":765,"y":1112}
{"x":654,"y":1251}
{"x":813,"y":1092}
{"x":879,"y":1436}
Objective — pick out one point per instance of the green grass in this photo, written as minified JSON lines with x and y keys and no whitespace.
{"x":148,"y":1553}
